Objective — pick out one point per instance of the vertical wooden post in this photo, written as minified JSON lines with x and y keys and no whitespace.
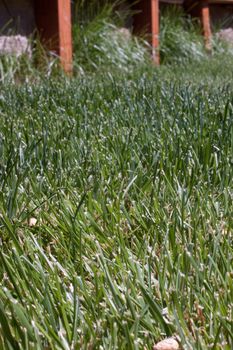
{"x":53,"y":20}
{"x":146,"y":18}
{"x":155,"y":30}
{"x":65,"y":36}
{"x":205,"y":20}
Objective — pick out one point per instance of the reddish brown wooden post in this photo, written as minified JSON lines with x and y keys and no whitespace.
{"x":155,"y":30}
{"x":146,"y":18}
{"x":65,"y":36}
{"x":205,"y":20}
{"x":53,"y":20}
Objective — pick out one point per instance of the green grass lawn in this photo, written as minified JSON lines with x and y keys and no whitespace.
{"x":116,"y":200}
{"x":130,"y":180}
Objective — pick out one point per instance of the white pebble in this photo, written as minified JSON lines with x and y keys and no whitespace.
{"x":167,"y":344}
{"x":32,"y":222}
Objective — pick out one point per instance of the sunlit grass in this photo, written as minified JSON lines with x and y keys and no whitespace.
{"x":116,"y":198}
{"x":130,"y":181}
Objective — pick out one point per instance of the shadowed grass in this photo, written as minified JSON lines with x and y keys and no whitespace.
{"x":99,"y":42}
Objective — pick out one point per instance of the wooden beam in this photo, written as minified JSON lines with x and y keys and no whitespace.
{"x":155,"y":30}
{"x":65,"y":34}
{"x":224,"y":2}
{"x":201,"y":9}
{"x":146,"y":20}
{"x":205,"y":20}
{"x":53,"y":20}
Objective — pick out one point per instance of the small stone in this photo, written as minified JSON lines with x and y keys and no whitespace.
{"x":226,"y":35}
{"x":125,"y":33}
{"x":15,"y":45}
{"x":32,"y":222}
{"x":167,"y":344}
{"x":122,"y":34}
